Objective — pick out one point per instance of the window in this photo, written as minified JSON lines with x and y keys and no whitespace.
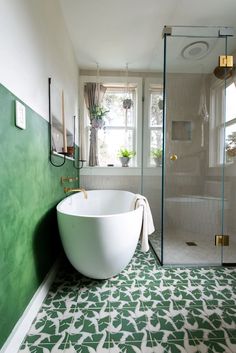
{"x":223,"y":124}
{"x":120,"y":130}
{"x":155,"y":120}
{"x":230,"y":115}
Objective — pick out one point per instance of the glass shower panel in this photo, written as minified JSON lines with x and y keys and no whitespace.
{"x":229,"y":227}
{"x":194,"y":138}
{"x":152,"y":153}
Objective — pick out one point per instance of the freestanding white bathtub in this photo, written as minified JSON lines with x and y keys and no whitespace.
{"x":99,"y":234}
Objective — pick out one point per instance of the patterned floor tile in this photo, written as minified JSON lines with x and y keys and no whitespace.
{"x":153,"y":304}
{"x":93,"y":296}
{"x":169,"y":336}
{"x":50,"y":327}
{"x":128,"y":325}
{"x":231,"y":332}
{"x":90,"y":347}
{"x":144,"y":309}
{"x":175,"y":346}
{"x":60,"y":299}
{"x":132,"y":347}
{"x":89,"y":326}
{"x":202,"y":322}
{"x":217,"y":345}
{"x":206,"y":335}
{"x":228,"y":321}
{"x":46,"y":348}
{"x":124,"y":295}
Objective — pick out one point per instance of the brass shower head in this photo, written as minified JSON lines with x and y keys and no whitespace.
{"x":223,"y":73}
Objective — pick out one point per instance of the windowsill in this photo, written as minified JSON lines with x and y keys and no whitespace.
{"x":116,"y":171}
{"x":221,"y":165}
{"x":216,"y":170}
{"x":62,"y":156}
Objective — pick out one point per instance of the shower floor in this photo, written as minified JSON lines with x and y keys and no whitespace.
{"x":176,"y":250}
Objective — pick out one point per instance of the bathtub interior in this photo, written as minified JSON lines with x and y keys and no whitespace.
{"x":98,"y":203}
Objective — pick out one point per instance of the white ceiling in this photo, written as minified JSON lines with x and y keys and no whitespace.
{"x":113,"y":33}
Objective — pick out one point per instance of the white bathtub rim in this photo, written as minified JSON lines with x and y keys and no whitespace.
{"x":70,"y":213}
{"x":111,"y":215}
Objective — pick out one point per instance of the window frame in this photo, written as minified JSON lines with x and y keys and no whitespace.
{"x":217,"y":126}
{"x":158,"y":81}
{"x":112,"y":80}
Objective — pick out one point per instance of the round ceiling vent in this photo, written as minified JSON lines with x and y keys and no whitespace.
{"x":196,"y":50}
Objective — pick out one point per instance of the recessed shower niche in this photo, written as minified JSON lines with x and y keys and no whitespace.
{"x":181,"y":131}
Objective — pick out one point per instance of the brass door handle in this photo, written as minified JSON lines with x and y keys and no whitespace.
{"x":173,"y":157}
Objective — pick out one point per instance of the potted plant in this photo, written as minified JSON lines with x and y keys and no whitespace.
{"x":156,"y":154}
{"x":98,"y":113}
{"x":124,"y":155}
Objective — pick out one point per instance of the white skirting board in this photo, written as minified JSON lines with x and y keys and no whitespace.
{"x":14,"y":341}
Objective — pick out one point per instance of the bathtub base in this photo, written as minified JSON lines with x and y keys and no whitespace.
{"x":100,"y":247}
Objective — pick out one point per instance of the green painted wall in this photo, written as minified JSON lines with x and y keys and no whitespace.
{"x":30,"y":189}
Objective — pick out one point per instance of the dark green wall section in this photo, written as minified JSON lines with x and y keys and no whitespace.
{"x":30,"y":190}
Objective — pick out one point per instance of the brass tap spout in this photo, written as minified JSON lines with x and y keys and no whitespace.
{"x":66,"y":190}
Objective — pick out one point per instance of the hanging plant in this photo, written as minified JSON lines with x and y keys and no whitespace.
{"x":160,"y":104}
{"x":127,"y":103}
{"x":98,"y":114}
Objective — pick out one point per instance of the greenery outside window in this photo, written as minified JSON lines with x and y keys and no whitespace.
{"x":155,"y":120}
{"x":120,"y":129}
{"x":222,"y":122}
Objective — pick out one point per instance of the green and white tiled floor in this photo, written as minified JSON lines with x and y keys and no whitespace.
{"x":145,"y":309}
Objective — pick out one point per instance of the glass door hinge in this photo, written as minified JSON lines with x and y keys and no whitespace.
{"x":221,"y":240}
{"x":226,"y":61}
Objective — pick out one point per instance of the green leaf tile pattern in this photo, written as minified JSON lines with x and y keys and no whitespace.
{"x":145,"y":309}
{"x":30,"y":189}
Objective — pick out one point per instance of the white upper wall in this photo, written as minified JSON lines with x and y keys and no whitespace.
{"x":114,"y":33}
{"x":34,"y":45}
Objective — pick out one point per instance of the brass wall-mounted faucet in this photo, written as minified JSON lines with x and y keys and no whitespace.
{"x":69,"y":179}
{"x":66,"y":190}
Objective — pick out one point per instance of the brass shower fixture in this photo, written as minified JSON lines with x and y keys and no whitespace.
{"x":226,"y":61}
{"x":225,"y":68}
{"x":69,"y":179}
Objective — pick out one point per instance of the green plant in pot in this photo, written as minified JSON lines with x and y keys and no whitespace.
{"x":156,"y":154}
{"x":124,"y":155}
{"x":98,"y":114}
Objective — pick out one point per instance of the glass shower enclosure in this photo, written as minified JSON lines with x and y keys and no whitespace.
{"x":198,"y":225}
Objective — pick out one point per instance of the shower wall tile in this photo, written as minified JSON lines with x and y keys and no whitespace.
{"x":129,"y":183}
{"x":214,"y":188}
{"x":200,"y":215}
{"x":30,"y":190}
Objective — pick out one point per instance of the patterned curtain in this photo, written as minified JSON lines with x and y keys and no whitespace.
{"x":93,"y":95}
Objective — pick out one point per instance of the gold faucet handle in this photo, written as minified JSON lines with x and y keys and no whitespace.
{"x":173,"y":157}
